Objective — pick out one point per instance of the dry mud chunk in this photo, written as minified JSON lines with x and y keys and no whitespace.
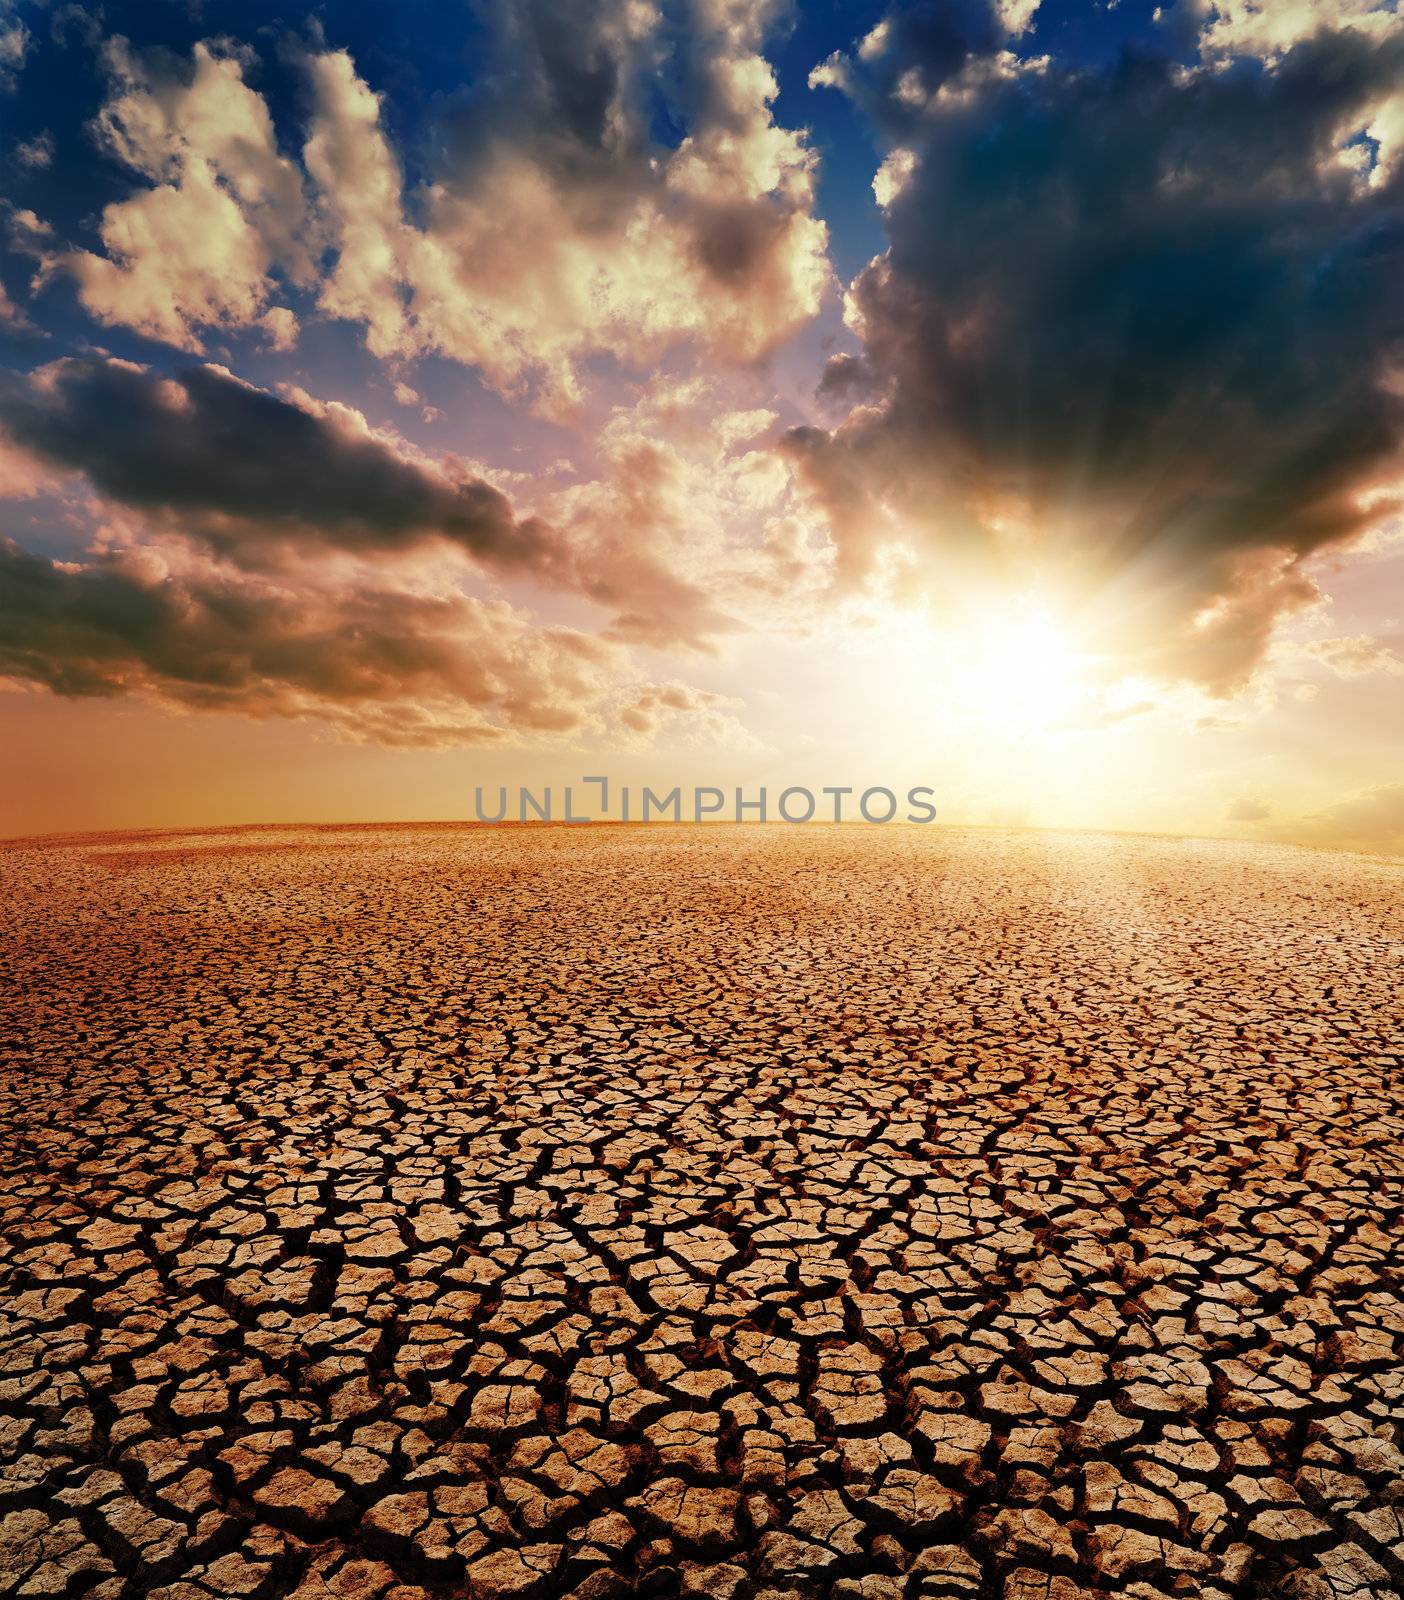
{"x":692,"y":1515}
{"x":302,"y":1501}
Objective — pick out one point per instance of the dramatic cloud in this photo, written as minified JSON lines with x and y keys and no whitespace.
{"x":1269,"y":28}
{"x":554,"y":225}
{"x":683,"y":715}
{"x":688,"y":533}
{"x":1131,"y":362}
{"x":1138,"y":330}
{"x":198,"y":249}
{"x":926,"y":54}
{"x":222,"y":594}
{"x":1237,"y":29}
{"x":254,"y":470}
{"x":390,"y":665}
{"x":685,"y":537}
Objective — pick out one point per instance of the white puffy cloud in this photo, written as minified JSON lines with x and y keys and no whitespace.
{"x":224,"y":212}
{"x":552,"y":227}
{"x":1017,"y":15}
{"x":1269,"y":28}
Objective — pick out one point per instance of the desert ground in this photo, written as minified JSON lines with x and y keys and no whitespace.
{"x":717,"y":1212}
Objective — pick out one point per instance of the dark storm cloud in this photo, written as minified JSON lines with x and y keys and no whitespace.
{"x":205,"y":444}
{"x":1163,"y":311}
{"x":385,"y":664}
{"x":910,"y":55}
{"x":569,"y":83}
{"x":264,"y":482}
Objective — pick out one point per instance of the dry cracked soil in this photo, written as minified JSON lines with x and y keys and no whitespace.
{"x":738,"y":1213}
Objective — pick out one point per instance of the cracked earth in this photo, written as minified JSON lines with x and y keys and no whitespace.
{"x":740,"y":1213}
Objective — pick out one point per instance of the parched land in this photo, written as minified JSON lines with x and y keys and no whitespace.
{"x":713,"y":1212}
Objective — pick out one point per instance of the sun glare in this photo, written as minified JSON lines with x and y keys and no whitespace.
{"x":1009,"y":669}
{"x":1019,"y":669}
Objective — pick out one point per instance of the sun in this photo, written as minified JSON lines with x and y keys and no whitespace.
{"x":1018,"y":667}
{"x":1007,"y":668}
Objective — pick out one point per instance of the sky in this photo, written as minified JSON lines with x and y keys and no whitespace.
{"x":996,"y":395}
